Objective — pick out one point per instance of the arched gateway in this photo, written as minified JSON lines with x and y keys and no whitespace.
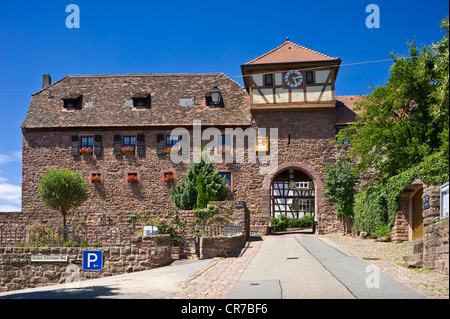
{"x":293,"y":190}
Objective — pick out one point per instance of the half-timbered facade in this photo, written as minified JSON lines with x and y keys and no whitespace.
{"x":291,"y":76}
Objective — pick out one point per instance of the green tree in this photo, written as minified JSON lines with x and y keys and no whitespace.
{"x":213,"y":186}
{"x":202,"y":196}
{"x":62,"y":190}
{"x":405,"y":120}
{"x":340,"y":187}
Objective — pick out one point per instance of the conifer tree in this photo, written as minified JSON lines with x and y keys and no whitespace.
{"x":211,"y":185}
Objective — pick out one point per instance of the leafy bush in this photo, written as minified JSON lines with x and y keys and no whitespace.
{"x":340,"y":187}
{"x":383,"y":230}
{"x":370,"y":210}
{"x":283,"y":222}
{"x":172,"y":226}
{"x":279,"y":224}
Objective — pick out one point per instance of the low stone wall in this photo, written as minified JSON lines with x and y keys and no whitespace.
{"x":235,"y":216}
{"x":436,"y":247}
{"x":17,"y":271}
{"x":220,"y":246}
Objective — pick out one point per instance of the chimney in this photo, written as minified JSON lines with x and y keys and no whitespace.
{"x":46,"y":80}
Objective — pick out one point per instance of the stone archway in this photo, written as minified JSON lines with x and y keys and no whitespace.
{"x":319,"y":199}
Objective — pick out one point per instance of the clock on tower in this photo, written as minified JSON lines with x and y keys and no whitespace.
{"x":293,"y":79}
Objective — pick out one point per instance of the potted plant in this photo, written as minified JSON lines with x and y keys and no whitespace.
{"x":127,"y":150}
{"x":167,"y":150}
{"x":95,"y":179}
{"x":169,"y":178}
{"x":86,"y":151}
{"x":224,"y":149}
{"x":132,"y":179}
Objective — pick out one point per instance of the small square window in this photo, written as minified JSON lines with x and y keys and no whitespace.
{"x":132,"y":178}
{"x":309,"y":77}
{"x":268,"y":79}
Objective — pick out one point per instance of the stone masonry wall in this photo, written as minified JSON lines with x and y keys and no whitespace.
{"x":435,"y":233}
{"x":304,"y":137}
{"x":220,"y":246}
{"x":436,"y":247}
{"x":18,"y":272}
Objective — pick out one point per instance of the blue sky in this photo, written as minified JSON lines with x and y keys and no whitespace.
{"x":188,"y":36}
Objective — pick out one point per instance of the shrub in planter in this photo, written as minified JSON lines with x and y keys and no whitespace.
{"x":86,"y":151}
{"x":127,"y":150}
{"x":283,"y":222}
{"x":169,"y":178}
{"x":96,"y":179}
{"x":132,"y":179}
{"x":167,"y":150}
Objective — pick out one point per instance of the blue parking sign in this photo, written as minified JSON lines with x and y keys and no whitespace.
{"x":92,"y":260}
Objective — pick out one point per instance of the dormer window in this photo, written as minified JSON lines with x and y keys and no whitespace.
{"x":141,"y":101}
{"x":72,"y":102}
{"x":69,"y":104}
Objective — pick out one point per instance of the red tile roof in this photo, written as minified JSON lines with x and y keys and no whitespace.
{"x":290,"y":52}
{"x":107,"y":98}
{"x":345,"y":112}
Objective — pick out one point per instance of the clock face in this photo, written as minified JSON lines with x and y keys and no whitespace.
{"x":293,"y":79}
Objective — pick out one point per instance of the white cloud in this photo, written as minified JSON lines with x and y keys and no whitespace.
{"x":4,"y":159}
{"x":11,"y":156}
{"x":9,"y":208}
{"x":9,"y":194}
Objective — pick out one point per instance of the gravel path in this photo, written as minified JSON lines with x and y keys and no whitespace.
{"x":388,"y":258}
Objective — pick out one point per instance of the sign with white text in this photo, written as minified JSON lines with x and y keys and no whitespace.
{"x":93,"y":260}
{"x":49,"y":258}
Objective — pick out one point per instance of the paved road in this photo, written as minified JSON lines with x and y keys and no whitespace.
{"x":158,"y":283}
{"x":307,"y":267}
{"x":292,"y":267}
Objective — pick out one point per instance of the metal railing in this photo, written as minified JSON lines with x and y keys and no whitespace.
{"x":219,"y":229}
{"x":74,"y":237}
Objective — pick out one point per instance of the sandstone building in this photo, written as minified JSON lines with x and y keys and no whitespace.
{"x":289,"y":92}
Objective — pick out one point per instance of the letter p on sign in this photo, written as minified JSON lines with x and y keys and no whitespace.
{"x":92,"y":260}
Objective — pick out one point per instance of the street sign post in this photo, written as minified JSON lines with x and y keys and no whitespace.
{"x":93,"y":260}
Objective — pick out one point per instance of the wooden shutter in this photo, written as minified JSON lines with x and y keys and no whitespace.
{"x":117,"y":144}
{"x":75,"y":146}
{"x":160,"y":144}
{"x":140,"y":144}
{"x":97,"y":145}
